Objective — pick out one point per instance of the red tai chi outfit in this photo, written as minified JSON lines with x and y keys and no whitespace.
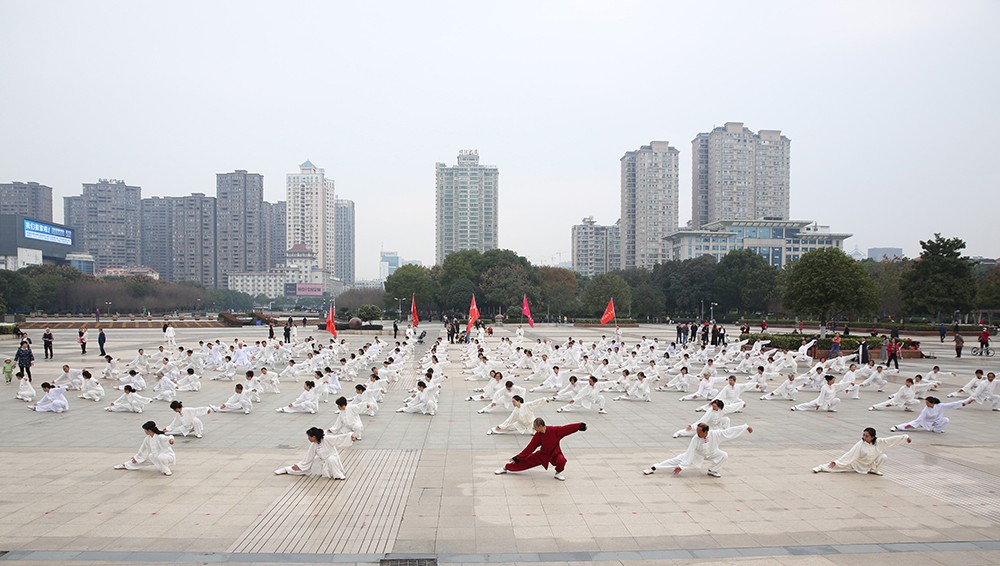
{"x":548,"y":449}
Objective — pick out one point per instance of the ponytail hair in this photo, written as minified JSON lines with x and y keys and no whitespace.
{"x":316,"y":433}
{"x":150,"y":425}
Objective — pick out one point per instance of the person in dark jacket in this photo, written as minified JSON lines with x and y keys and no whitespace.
{"x":24,"y":358}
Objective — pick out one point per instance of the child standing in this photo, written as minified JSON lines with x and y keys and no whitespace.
{"x":8,"y":370}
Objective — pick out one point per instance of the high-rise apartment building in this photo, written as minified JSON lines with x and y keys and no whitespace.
{"x":739,"y":175}
{"x":156,"y":240}
{"x":239,"y":226}
{"x":649,"y":203}
{"x":344,"y":241}
{"x":275,"y":233}
{"x":467,"y":195}
{"x":107,"y":217}
{"x":30,"y":200}
{"x":311,"y":213}
{"x":193,"y":239}
{"x":596,"y":248}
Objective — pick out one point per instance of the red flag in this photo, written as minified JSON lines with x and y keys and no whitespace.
{"x":473,"y":315}
{"x":526,"y":311}
{"x":413,"y":311}
{"x":609,"y":313}
{"x":331,"y":324}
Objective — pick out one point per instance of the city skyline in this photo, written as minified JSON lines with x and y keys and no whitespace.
{"x":871,"y":95}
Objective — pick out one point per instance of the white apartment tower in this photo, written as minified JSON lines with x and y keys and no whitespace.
{"x":311,"y":209}
{"x":466,"y":195}
{"x":739,"y":175}
{"x":345,"y":241}
{"x":596,"y":248}
{"x":650,"y":200}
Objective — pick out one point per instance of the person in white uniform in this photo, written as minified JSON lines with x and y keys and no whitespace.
{"x":704,"y":446}
{"x":522,"y":417}
{"x":186,"y":420}
{"x":826,"y":401}
{"x":54,"y":400}
{"x":322,"y":457}
{"x":865,"y":457}
{"x":715,"y":419}
{"x":905,"y":397}
{"x":238,"y":402}
{"x":306,"y":402}
{"x":156,"y":450}
{"x":932,"y":416}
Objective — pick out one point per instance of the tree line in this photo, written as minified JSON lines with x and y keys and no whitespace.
{"x":822,"y":285}
{"x":62,"y":289}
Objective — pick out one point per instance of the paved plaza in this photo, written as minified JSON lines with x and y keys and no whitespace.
{"x":423,"y":487}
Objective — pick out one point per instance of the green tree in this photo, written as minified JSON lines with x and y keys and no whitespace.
{"x":460,"y":296}
{"x":604,"y":287}
{"x":888,"y":277}
{"x":941,"y":282}
{"x":505,"y":284}
{"x":827,"y":282}
{"x":17,"y":290}
{"x":688,"y":284}
{"x":559,"y":287}
{"x":743,"y":281}
{"x":457,"y":266}
{"x":412,"y":280}
{"x":988,"y":290}
{"x":369,"y":312}
{"x":648,"y":301}
{"x":50,"y":282}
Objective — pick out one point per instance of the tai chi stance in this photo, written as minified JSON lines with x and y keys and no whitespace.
{"x":546,"y":441}
{"x":322,"y":457}
{"x":156,"y":450}
{"x":866,"y":457}
{"x":704,"y":446}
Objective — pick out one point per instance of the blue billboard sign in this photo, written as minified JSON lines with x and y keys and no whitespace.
{"x":48,"y":233}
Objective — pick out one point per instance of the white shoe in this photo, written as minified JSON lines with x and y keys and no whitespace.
{"x":893,"y":429}
{"x":874,"y":473}
{"x":500,"y":471}
{"x":197,"y":436}
{"x":489,"y":431}
{"x":649,"y":471}
{"x":714,"y":474}
{"x":602,"y":412}
{"x":559,"y":476}
{"x":120,"y":467}
{"x":871,"y":408}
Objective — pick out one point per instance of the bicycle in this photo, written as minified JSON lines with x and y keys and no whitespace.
{"x":982,"y":351}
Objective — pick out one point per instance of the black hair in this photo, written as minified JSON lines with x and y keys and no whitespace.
{"x":871,"y":432}
{"x":128,"y":389}
{"x":316,"y":433}
{"x":341,"y":401}
{"x":539,"y":422}
{"x":239,"y":387}
{"x":190,"y":371}
{"x":174,"y":405}
{"x":932,"y":400}
{"x":46,"y":385}
{"x":421,"y":384}
{"x":310,"y":383}
{"x":509,"y":384}
{"x":720,"y":403}
{"x":86,"y":374}
{"x":248,"y":374}
{"x":150,"y":425}
{"x":518,"y":398}
{"x":360,"y":387}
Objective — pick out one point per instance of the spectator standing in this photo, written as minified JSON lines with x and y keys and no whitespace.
{"x":102,"y":339}
{"x":24,"y":358}
{"x":47,"y":342}
{"x":959,"y":343}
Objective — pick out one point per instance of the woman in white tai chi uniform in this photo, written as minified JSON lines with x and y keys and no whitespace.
{"x":322,"y":457}
{"x":714,"y":417}
{"x":932,"y":416}
{"x":156,"y":450}
{"x":54,"y":400}
{"x":826,"y":401}
{"x":521,"y":419}
{"x":129,"y":402}
{"x":306,"y":402}
{"x":866,"y":457}
{"x":186,"y":420}
{"x":704,"y":446}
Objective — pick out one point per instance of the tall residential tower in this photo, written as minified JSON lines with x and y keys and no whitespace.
{"x":344,"y":241}
{"x":239,"y":225}
{"x":311,"y":213}
{"x":107,"y":218}
{"x":467,"y":195}
{"x":739,"y":175}
{"x":649,"y":203}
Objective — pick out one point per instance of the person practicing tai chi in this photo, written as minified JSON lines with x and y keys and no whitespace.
{"x":932,"y":416}
{"x":306,"y":402}
{"x":826,"y":401}
{"x":186,"y":420}
{"x":349,"y":418}
{"x":905,"y":398}
{"x":129,"y":402}
{"x":786,"y":390}
{"x":521,"y":419}
{"x":865,"y":457}
{"x":544,"y":449}
{"x":704,"y":446}
{"x":156,"y":450}
{"x":238,"y":402}
{"x":715,"y":418}
{"x":322,"y":458}
{"x":54,"y":400}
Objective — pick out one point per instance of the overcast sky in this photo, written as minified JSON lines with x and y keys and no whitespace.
{"x":891,"y":106}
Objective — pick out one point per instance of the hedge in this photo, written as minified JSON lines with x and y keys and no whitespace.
{"x":7,"y":328}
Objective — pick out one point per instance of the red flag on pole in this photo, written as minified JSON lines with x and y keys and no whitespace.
{"x":526,"y":311}
{"x":609,"y":313}
{"x":331,"y":324}
{"x":413,"y":311}
{"x":473,"y":315}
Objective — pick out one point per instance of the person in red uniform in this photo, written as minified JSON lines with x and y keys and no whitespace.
{"x":546,"y":440}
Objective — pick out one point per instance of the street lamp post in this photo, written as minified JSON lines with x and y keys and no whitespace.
{"x":400,"y":307}
{"x":711,"y":308}
{"x":702,"y":315}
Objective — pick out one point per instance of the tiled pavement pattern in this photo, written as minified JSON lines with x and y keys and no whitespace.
{"x":59,"y":493}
